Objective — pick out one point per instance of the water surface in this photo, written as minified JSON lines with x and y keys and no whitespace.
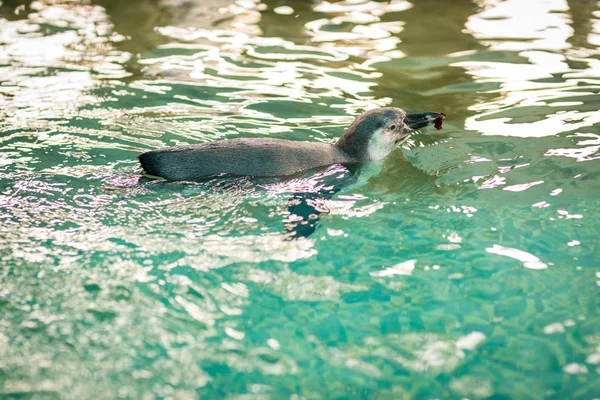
{"x":465,"y":266}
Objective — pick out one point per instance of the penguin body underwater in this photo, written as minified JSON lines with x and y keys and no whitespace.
{"x":371,"y":137}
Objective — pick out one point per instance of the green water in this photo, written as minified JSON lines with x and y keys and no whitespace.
{"x":465,"y":266}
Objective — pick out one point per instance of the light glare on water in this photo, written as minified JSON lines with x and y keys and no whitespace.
{"x":463,"y":266}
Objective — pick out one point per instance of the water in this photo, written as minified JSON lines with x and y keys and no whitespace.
{"x":464,"y":266}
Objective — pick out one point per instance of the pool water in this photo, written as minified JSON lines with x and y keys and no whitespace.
{"x":466,"y":265}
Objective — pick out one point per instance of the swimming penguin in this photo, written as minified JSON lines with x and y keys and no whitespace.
{"x":371,"y":137}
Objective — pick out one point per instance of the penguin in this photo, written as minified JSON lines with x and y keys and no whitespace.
{"x":371,"y":137}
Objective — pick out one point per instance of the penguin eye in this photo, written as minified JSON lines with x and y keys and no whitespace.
{"x":392,"y":127}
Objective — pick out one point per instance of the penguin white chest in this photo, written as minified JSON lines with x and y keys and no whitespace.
{"x":380,"y":145}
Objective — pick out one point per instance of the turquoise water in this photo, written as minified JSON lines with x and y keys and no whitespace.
{"x":464,"y":266}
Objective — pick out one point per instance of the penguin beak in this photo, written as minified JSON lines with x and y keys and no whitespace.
{"x":417,"y":121}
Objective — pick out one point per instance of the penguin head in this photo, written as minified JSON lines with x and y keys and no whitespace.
{"x":375,"y":133}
